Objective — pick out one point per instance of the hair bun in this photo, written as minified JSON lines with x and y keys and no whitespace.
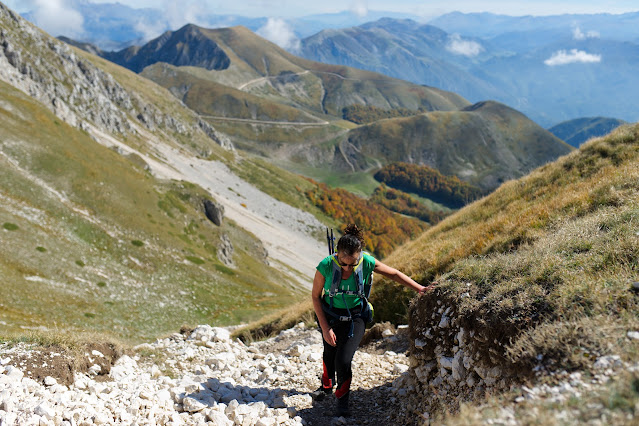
{"x":354,"y":230}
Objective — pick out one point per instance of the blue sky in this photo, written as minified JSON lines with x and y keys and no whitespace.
{"x":423,"y":9}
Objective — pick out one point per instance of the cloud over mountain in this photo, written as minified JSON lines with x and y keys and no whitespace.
{"x":577,"y":34}
{"x":57,"y":17}
{"x":563,"y":57}
{"x":459,"y":46}
{"x":279,"y":32}
{"x":359,"y":8}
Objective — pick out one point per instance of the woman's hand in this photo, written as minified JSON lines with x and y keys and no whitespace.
{"x":427,"y":289}
{"x":329,"y":336}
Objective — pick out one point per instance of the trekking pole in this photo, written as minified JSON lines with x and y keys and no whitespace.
{"x":332,"y":242}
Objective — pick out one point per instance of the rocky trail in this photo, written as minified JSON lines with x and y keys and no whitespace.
{"x":199,"y":377}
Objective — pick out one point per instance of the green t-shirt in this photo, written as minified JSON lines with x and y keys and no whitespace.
{"x":325,"y":268}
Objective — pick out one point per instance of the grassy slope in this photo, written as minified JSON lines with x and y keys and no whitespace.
{"x":210,"y":98}
{"x":556,"y":247}
{"x":485,"y":144}
{"x":313,"y":86}
{"x":92,"y":241}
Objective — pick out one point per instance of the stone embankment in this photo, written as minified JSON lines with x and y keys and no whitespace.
{"x":201,"y":377}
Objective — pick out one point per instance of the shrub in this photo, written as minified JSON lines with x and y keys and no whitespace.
{"x":10,"y":226}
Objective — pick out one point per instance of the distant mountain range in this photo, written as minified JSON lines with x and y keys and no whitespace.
{"x":550,"y":73}
{"x":489,"y":25}
{"x":552,"y":68}
{"x":575,"y":132}
{"x":237,"y":80}
{"x":114,"y":26}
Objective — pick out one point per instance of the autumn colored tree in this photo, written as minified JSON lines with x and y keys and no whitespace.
{"x":385,"y":229}
{"x":429,"y":183}
{"x":403,"y":203}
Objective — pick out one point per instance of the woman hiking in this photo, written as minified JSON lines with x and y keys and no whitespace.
{"x":340,"y":290}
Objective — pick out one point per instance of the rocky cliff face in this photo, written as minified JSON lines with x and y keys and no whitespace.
{"x":77,"y":91}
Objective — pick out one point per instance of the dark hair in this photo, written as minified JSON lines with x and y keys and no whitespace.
{"x":352,"y":241}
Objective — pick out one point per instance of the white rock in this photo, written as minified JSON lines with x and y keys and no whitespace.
{"x":458,"y":369}
{"x":400,"y":368}
{"x":192,"y":405}
{"x":218,"y":418}
{"x":221,"y":335}
{"x":419,"y":343}
{"x":296,"y":350}
{"x":314,"y":357}
{"x":387,"y":333}
{"x":50,"y":381}
{"x":14,"y":373}
{"x":102,"y":419}
{"x":266,"y":421}
{"x":608,"y":361}
{"x":446,"y":362}
{"x":43,"y":410}
{"x":633,"y":335}
{"x":444,"y":322}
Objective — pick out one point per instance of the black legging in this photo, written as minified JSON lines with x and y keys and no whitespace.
{"x":339,"y":357}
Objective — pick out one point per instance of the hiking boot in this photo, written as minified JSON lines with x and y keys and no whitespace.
{"x":321,"y":393}
{"x":342,"y":406}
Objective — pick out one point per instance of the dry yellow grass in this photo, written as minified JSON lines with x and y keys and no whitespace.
{"x":272,"y":324}
{"x":572,"y":199}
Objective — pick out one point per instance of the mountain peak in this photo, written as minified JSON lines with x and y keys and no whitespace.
{"x":189,"y":45}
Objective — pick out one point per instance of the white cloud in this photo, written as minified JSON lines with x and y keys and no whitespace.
{"x":563,"y":57}
{"x":359,"y":8}
{"x":180,"y":13}
{"x":57,"y":17}
{"x":577,"y":34}
{"x":280,"y":33}
{"x":463,"y":47}
{"x":176,"y":15}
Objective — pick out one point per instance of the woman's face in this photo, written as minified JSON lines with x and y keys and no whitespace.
{"x":346,"y":261}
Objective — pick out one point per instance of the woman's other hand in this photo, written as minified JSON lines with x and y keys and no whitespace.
{"x":329,"y":337}
{"x":427,"y":289}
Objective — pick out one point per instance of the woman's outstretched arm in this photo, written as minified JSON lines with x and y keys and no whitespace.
{"x":400,"y":277}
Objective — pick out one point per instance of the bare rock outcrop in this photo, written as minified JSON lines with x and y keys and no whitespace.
{"x":76,"y":90}
{"x":453,"y":359}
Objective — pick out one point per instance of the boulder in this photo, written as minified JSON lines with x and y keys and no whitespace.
{"x":214,"y":211}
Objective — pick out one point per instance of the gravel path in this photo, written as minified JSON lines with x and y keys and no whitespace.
{"x":197,"y":377}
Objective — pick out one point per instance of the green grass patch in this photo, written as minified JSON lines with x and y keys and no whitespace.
{"x":225,"y":269}
{"x":10,"y":226}
{"x":41,"y":249}
{"x":80,"y":263}
{"x":195,"y":260}
{"x":137,"y":243}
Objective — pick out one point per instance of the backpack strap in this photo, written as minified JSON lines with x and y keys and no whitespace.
{"x":363,"y":290}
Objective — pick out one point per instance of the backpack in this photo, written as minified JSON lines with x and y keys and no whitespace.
{"x":364,"y":285}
